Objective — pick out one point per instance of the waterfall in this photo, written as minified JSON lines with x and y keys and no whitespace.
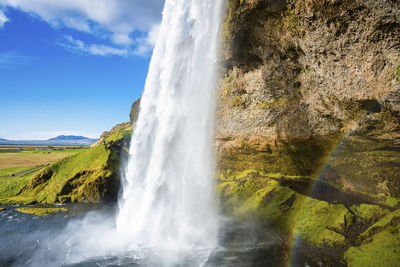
{"x":168,"y":195}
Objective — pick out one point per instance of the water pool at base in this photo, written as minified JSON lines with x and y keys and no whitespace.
{"x":30,"y":240}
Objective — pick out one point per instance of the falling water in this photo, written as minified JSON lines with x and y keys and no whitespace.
{"x":168,"y":194}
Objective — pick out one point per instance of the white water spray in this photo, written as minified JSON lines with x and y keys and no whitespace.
{"x":168,"y":194}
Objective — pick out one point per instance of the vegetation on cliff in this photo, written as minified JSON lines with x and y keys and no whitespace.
{"x":308,"y":123}
{"x":90,"y":176}
{"x":317,"y":212}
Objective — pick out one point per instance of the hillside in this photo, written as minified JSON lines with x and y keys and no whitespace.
{"x":90,"y":176}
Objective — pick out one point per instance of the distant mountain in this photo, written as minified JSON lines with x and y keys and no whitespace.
{"x":68,"y":138}
{"x":2,"y":139}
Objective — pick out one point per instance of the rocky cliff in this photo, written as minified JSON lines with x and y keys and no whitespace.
{"x":308,"y":123}
{"x":304,"y":77}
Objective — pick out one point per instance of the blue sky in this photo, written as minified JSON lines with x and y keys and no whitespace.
{"x":72,"y":66}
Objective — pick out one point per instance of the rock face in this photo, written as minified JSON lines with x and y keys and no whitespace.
{"x":308,"y":125}
{"x":303,"y":78}
{"x":133,"y":115}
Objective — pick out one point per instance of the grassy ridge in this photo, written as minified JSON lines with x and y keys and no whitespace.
{"x":89,"y":176}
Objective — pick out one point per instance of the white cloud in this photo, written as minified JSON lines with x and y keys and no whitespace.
{"x":122,"y":39}
{"x":3,"y":19}
{"x":114,"y":19}
{"x":77,"y":24}
{"x":93,"y":49}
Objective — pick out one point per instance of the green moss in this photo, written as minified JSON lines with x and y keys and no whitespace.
{"x":369,"y":212}
{"x":41,"y":211}
{"x":236,"y":189}
{"x":251,"y":193}
{"x":392,"y":202}
{"x":295,"y":157}
{"x":397,"y":73}
{"x":381,"y":248}
{"x":380,"y":225}
{"x":323,"y":223}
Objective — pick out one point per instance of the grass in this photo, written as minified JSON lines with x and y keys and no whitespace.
{"x":41,"y":211}
{"x":46,"y":187}
{"x":16,"y":162}
{"x":89,"y":176}
{"x":11,"y":186}
{"x":124,"y":134}
{"x":14,"y":170}
{"x":33,"y":158}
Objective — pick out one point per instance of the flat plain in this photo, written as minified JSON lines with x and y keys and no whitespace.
{"x":12,"y":162}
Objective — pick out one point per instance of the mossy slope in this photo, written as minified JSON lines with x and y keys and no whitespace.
{"x":263,"y":196}
{"x":316,"y":212}
{"x":380,"y":244}
{"x":90,"y":176}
